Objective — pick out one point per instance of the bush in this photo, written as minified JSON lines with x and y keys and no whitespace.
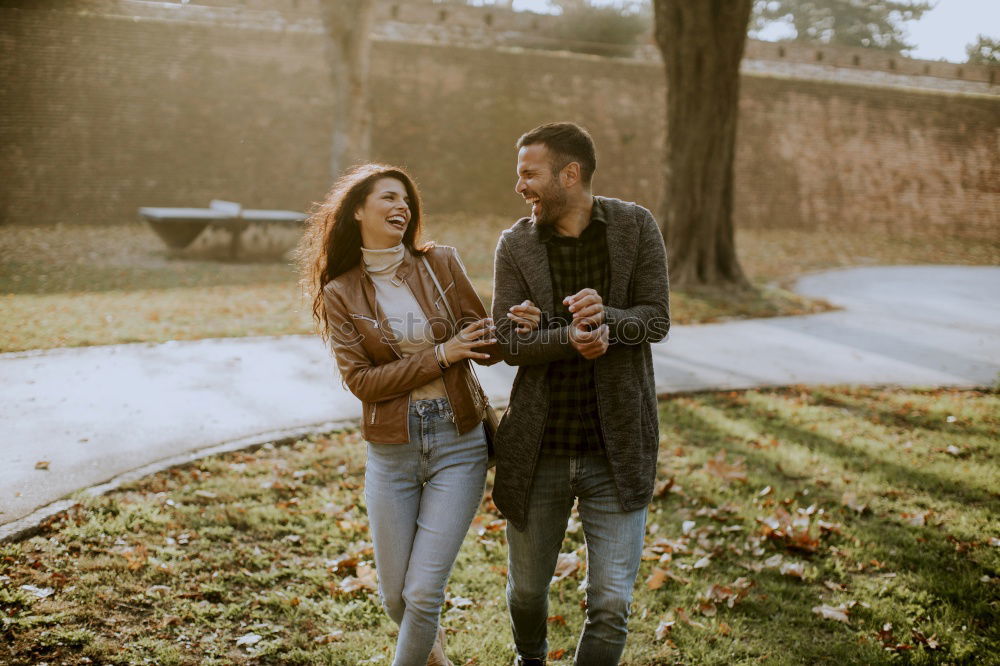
{"x":604,"y":30}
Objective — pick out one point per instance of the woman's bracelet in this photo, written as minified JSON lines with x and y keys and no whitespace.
{"x":441,"y":358}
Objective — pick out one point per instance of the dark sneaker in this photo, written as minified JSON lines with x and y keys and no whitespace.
{"x":521,"y":661}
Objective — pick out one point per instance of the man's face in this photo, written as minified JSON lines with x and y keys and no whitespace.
{"x":538,"y":186}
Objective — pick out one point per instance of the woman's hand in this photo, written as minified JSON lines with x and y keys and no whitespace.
{"x":462,"y":345}
{"x":525,"y":317}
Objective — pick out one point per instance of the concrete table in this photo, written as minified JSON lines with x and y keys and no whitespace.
{"x":179,"y":227}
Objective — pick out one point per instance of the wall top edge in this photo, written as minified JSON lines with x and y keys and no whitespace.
{"x":427,"y":22}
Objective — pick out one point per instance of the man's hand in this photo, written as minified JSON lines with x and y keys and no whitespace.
{"x":525,"y":316}
{"x":590,"y":344}
{"x":587,"y":308}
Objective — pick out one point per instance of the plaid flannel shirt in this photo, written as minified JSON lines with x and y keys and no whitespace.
{"x":573,"y":425}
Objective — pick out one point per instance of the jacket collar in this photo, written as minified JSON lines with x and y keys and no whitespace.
{"x":411,"y":273}
{"x":622,"y":227}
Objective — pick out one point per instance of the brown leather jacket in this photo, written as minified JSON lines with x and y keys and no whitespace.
{"x":370,"y":362}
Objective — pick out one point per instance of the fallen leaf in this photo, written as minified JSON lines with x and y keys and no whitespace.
{"x":829,"y":528}
{"x":724,"y":629}
{"x":918,"y":519}
{"x":664,"y":627}
{"x":831,"y":613}
{"x":159,"y":591}
{"x":718,"y":467}
{"x":40,"y":592}
{"x":686,"y":619}
{"x":343,"y":563}
{"x":248,"y":639}
{"x":793,"y":569}
{"x":851,"y":501}
{"x":885,"y":635}
{"x":680,"y":579}
{"x":728,"y":594}
{"x":557,"y":654}
{"x":42,"y":464}
{"x":929,"y":643}
{"x":835,"y":587}
{"x":170,"y":621}
{"x":136,"y":557}
{"x":567,"y":565}
{"x":364,"y":580}
{"x":707,"y":608}
{"x":656,"y":578}
{"x":459,"y":602}
{"x":663,"y":487}
{"x":765,"y":492}
{"x":556,"y":619}
{"x":703,"y":562}
{"x":794,"y":532}
{"x":331,"y":637}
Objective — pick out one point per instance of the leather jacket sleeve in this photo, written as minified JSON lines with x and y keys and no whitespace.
{"x":365,"y":379}
{"x":472,"y":306}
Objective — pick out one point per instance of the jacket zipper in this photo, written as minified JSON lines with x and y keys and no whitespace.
{"x":373,"y":321}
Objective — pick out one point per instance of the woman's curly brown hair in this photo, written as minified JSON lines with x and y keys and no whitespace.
{"x":331,"y":244}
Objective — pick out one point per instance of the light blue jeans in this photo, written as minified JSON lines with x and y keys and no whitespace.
{"x":421,"y":498}
{"x":614,"y":549}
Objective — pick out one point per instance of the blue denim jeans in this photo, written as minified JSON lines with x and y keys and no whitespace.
{"x":421,"y":498}
{"x":614,"y":548}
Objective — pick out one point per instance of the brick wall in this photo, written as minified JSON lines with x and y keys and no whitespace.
{"x":104,"y":114}
{"x":109,"y":108}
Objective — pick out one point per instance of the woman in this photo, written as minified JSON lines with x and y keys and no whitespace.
{"x":400,"y":352}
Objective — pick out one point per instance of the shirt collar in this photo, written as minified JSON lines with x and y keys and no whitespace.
{"x":597,"y":214}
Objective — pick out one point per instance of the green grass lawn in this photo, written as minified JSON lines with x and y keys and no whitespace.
{"x":64,"y":285}
{"x":790,"y":526}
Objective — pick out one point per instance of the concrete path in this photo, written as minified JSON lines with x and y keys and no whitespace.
{"x":102,"y":415}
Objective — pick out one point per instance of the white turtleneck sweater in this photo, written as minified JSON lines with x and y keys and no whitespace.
{"x":402,"y":312}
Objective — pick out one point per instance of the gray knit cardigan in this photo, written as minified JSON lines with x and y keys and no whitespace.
{"x":637,"y":311}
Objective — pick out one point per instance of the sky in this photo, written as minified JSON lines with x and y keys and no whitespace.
{"x":943,"y":32}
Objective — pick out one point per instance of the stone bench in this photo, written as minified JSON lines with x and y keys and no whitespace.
{"x":179,"y":227}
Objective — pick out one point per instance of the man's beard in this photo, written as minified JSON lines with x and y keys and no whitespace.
{"x":551,"y":206}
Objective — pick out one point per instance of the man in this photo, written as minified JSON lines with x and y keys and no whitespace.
{"x":582,"y":421}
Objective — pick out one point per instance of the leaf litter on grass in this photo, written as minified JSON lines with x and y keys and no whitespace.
{"x":271,"y":543}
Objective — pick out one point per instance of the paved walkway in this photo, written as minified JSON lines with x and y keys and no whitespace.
{"x":101,"y":415}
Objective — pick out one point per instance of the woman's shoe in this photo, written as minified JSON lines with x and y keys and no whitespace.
{"x":437,"y":656}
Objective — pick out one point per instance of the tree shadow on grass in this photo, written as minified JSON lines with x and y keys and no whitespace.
{"x":930,"y":566}
{"x":900,"y":417}
{"x":855,"y":459}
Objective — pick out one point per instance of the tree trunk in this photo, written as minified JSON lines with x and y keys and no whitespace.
{"x":702,"y":45}
{"x":348,"y":25}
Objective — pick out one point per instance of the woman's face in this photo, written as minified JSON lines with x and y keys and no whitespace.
{"x":385,"y":214}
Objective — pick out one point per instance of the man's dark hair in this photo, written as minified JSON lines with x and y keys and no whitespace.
{"x":568,"y":142}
